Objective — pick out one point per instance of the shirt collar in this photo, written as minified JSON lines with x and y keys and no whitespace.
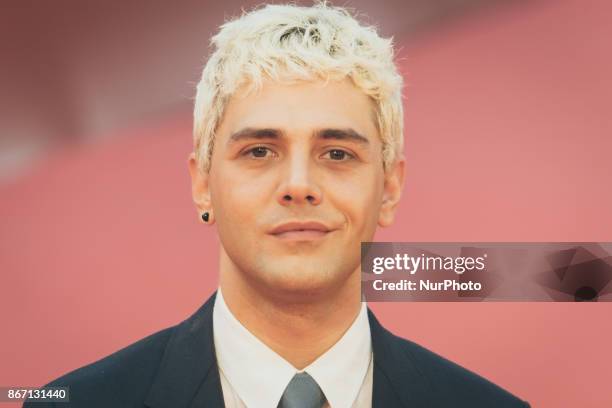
{"x":259,"y":375}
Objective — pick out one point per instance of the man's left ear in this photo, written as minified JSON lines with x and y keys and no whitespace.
{"x":393,"y":185}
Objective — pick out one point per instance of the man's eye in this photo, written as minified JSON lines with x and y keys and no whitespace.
{"x":259,"y":152}
{"x":338,"y":155}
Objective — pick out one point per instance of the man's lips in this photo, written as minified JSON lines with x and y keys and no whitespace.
{"x":302,"y":231}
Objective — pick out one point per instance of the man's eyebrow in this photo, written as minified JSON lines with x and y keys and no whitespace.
{"x":254,"y":133}
{"x":326,"y":134}
{"x":342,"y":134}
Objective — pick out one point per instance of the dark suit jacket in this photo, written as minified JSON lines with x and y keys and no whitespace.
{"x":177,"y":368}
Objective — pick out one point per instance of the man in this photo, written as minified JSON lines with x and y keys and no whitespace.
{"x":297,"y":159}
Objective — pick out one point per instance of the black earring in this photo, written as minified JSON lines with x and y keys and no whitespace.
{"x":205,"y":217}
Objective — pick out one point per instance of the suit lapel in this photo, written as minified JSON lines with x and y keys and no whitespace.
{"x":188,"y":375}
{"x":397,"y":380}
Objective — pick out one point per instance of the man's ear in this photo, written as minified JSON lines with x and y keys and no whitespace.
{"x":200,"y":190}
{"x":392,"y":191}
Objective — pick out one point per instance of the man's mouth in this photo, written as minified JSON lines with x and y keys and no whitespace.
{"x":301,"y":231}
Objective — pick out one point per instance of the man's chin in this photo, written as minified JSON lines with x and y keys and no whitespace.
{"x":294,"y":282}
{"x":298,"y":281}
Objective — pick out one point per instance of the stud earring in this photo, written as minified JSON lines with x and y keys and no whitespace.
{"x":205,"y":216}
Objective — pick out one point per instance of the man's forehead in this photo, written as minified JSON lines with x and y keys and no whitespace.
{"x":332,"y":110}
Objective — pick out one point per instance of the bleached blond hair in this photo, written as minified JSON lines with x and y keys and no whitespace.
{"x":286,"y":43}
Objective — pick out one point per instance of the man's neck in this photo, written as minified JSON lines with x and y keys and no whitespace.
{"x":299,"y":330}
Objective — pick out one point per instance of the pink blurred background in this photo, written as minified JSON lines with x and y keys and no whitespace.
{"x":508,"y":138}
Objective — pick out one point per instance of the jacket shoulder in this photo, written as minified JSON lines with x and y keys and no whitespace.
{"x":454,"y":385}
{"x":121,"y":379}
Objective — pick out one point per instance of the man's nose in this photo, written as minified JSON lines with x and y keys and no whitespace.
{"x":299,"y":184}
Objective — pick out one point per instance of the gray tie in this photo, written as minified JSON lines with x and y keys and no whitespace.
{"x":302,"y":392}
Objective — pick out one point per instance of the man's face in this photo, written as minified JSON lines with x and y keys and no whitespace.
{"x":297,"y":182}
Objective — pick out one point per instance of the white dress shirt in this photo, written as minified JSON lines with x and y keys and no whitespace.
{"x":254,"y":376}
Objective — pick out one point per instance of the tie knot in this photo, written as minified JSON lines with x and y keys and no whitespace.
{"x":302,"y":392}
